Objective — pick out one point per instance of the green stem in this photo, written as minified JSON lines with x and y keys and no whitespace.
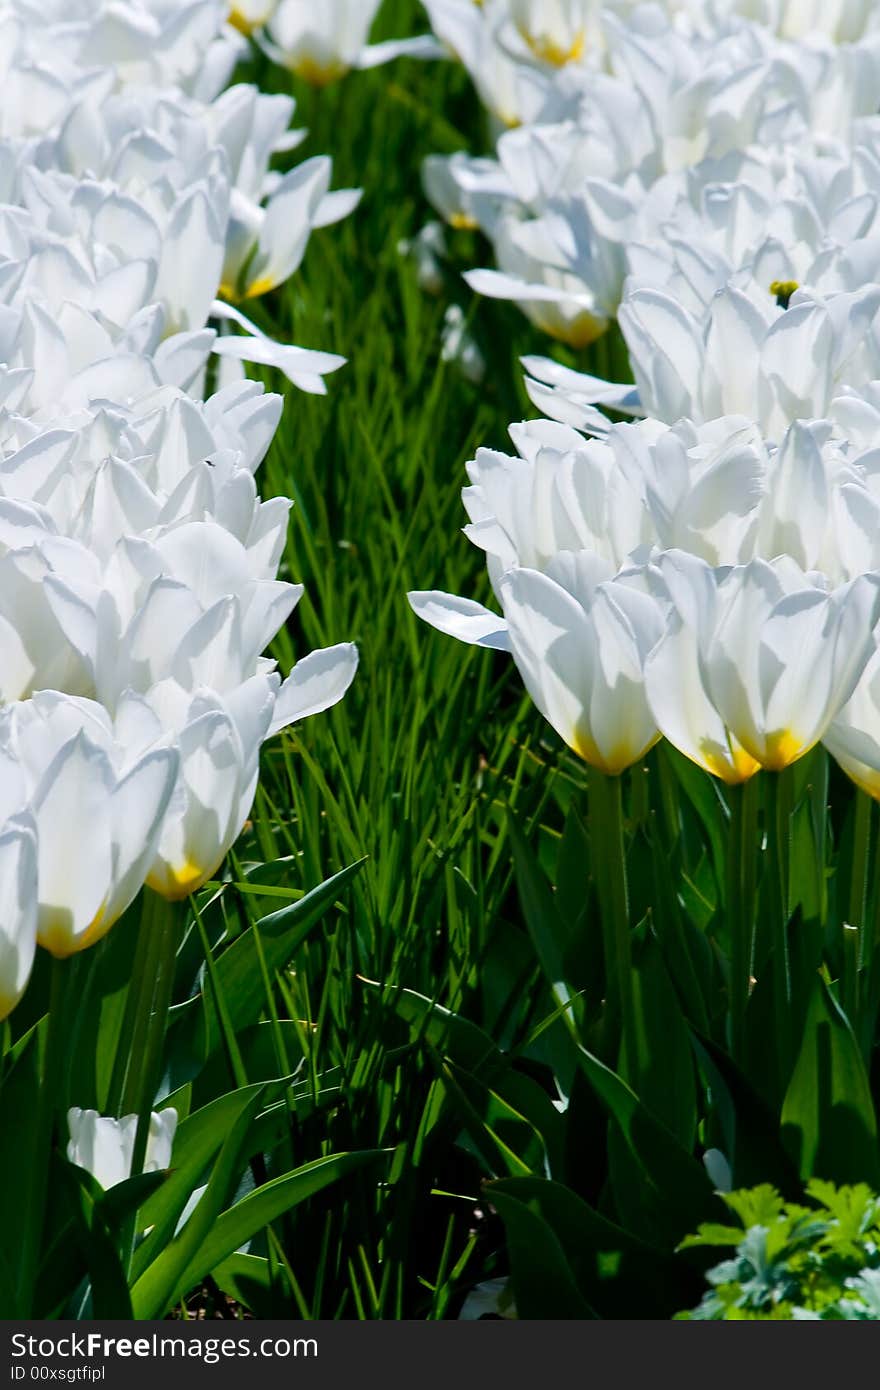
{"x":849,"y":984}
{"x":138,"y":1004}
{"x":741,"y":887}
{"x":778,"y":787}
{"x":145,"y":1066}
{"x":640,"y":793}
{"x":858,"y":885}
{"x":606,"y":796}
{"x":47,"y":1105}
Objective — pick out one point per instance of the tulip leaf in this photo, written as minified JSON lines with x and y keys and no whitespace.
{"x":615,"y":1272}
{"x":106,"y":1275}
{"x":828,"y":1120}
{"x":750,"y":1127}
{"x":506,"y":1092}
{"x":543,"y":1281}
{"x":254,"y":1283}
{"x":153,"y":1291}
{"x":551,"y":938}
{"x":702,"y":794}
{"x":264,"y":1205}
{"x":198,"y":1031}
{"x":198,"y":1139}
{"x":663,"y":1070}
{"x":660,"y":1190}
{"x":18,"y":1157}
{"x":259,"y":1046}
{"x":8,"y":1288}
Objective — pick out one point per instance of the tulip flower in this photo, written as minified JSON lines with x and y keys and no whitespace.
{"x":18,"y":905}
{"x":76,"y":771}
{"x":219,"y":738}
{"x":105,"y":1147}
{"x":842,"y":21}
{"x":771,"y":365}
{"x":509,"y":88}
{"x":580,"y":647}
{"x":266,"y":245}
{"x":558,"y":32}
{"x":853,"y":739}
{"x":249,"y":15}
{"x":756,"y":661}
{"x":322,"y":43}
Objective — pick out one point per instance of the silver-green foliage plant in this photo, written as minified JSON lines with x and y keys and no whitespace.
{"x":793,"y":1262}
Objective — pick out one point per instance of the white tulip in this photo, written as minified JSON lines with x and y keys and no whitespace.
{"x":580,"y":648}
{"x":18,"y":901}
{"x":249,"y":15}
{"x":76,"y":771}
{"x":843,"y":21}
{"x":854,"y":737}
{"x":105,"y":1147}
{"x":219,"y":738}
{"x":756,"y":661}
{"x":769,"y":364}
{"x":323,"y":42}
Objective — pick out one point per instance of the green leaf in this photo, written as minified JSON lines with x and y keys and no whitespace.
{"x":544,"y":1283}
{"x":616,"y":1273}
{"x":474,"y":1053}
{"x":663,"y":1070}
{"x":551,"y":938}
{"x":197,"y":1033}
{"x":261,"y":1207}
{"x":828,"y":1119}
{"x":18,"y":1155}
{"x":751,"y":1139}
{"x":703,"y":794}
{"x":259,"y":1046}
{"x":198,"y":1139}
{"x":251,"y":1281}
{"x":101,"y":1256}
{"x":660,"y":1190}
{"x":155,"y":1289}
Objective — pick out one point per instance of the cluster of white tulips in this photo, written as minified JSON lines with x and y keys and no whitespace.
{"x":707,"y":173}
{"x":138,"y":564}
{"x":670,"y":145}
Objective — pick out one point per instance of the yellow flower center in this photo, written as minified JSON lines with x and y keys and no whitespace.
{"x":56,"y":936}
{"x":731,"y":765}
{"x":241,"y":23}
{"x":177,"y":882}
{"x":261,"y":286}
{"x":782,"y":290}
{"x":782,"y":749}
{"x":618,"y":758}
{"x":554,"y":53}
{"x":318,"y":74}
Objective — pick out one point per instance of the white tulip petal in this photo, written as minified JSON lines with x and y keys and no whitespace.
{"x":317,"y":682}
{"x":463,"y":618}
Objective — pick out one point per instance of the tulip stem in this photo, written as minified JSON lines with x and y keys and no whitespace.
{"x":609,"y":865}
{"x":741,"y":887}
{"x":859,"y":874}
{"x":779,"y":811}
{"x":160,"y":917}
{"x":47,"y":1103}
{"x":131,"y":1034}
{"x":139,"y":1008}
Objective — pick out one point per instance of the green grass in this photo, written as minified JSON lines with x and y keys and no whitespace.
{"x":413,"y":771}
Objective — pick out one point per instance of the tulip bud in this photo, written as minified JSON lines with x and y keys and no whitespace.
{"x":105,"y":1147}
